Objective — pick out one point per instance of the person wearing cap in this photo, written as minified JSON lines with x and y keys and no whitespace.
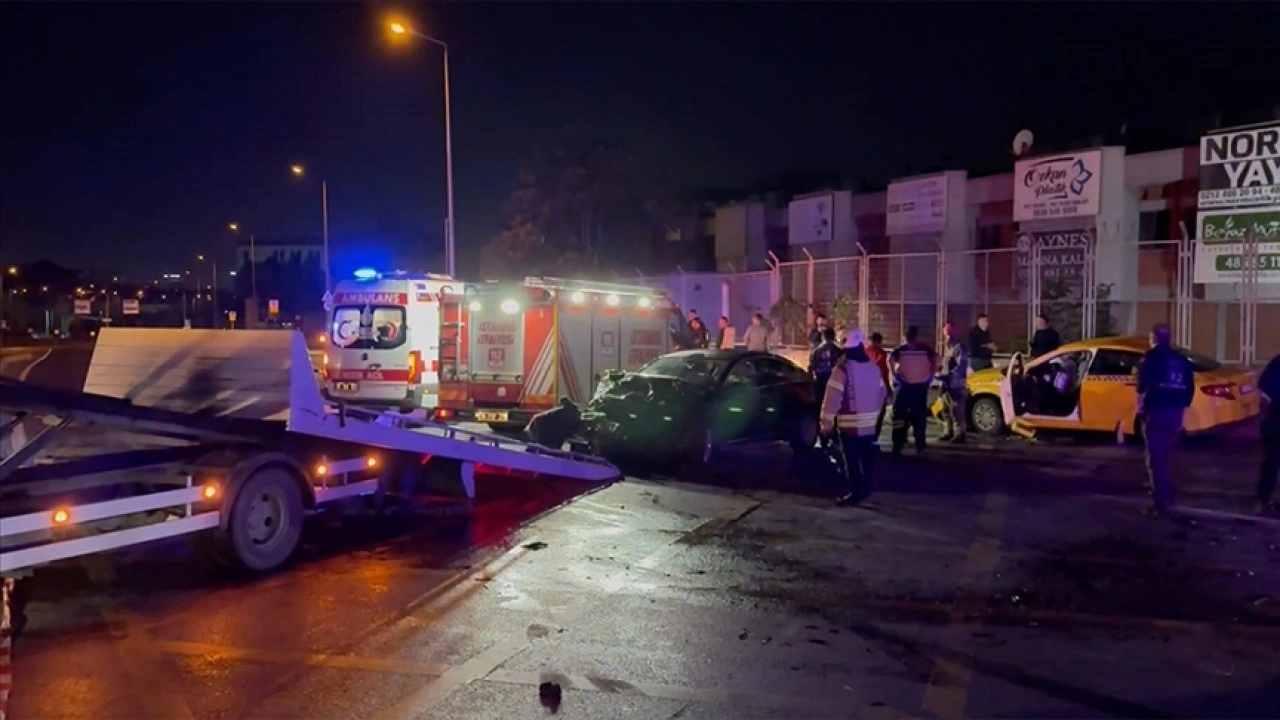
{"x":1166,"y":387}
{"x":954,"y":373}
{"x":852,"y":401}
{"x":915,"y":365}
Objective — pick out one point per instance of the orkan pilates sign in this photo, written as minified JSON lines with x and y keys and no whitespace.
{"x":1061,"y":186}
{"x":1240,"y":168}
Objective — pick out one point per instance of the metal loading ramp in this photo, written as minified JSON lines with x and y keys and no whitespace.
{"x":267,"y":375}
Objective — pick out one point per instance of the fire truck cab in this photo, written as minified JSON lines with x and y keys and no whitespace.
{"x":384,"y":338}
{"x":509,"y":351}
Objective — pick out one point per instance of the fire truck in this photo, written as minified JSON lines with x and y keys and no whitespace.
{"x":384,"y":336}
{"x":510,"y":351}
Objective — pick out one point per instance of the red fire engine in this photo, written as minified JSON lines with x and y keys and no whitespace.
{"x":510,"y":351}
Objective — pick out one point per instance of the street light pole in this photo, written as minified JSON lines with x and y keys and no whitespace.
{"x":450,"y":247}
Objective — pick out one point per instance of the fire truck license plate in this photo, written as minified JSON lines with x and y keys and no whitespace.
{"x":347,"y":387}
{"x":491,"y":416}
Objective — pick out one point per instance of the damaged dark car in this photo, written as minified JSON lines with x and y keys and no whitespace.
{"x":679,"y":408}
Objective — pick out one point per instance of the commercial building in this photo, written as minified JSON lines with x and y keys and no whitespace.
{"x":1103,"y":241}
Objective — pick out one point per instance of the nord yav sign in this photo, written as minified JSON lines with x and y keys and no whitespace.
{"x":1240,"y":168}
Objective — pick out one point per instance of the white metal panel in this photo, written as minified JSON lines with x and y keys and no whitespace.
{"x":574,"y":322}
{"x":51,"y":552}
{"x":243,"y":373}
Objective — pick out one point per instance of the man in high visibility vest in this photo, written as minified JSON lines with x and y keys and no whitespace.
{"x":850,"y":406}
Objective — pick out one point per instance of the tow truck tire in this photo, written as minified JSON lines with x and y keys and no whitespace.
{"x":265,"y":521}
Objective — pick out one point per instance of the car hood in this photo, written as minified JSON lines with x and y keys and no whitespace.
{"x":643,"y":400}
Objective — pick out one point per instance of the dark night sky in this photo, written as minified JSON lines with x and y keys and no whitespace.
{"x":132,"y":133}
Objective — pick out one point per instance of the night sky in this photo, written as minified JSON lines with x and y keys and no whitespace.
{"x":133,"y":133}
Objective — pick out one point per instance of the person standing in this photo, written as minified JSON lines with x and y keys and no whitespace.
{"x":698,"y":331}
{"x":816,"y":332}
{"x":915,"y":364}
{"x":756,"y":337}
{"x":823,"y":361}
{"x":1166,"y":387}
{"x":955,"y":393}
{"x":854,"y":396}
{"x":878,"y":355}
{"x":724,"y":334}
{"x":1046,"y":339}
{"x":981,"y":348}
{"x":1269,"y":386}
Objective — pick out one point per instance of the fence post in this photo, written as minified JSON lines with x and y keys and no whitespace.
{"x":940,"y":287}
{"x":775,"y":279}
{"x":1249,"y":299}
{"x":809,"y":273}
{"x":1184,"y":292}
{"x":864,"y":288}
{"x":1033,"y":287}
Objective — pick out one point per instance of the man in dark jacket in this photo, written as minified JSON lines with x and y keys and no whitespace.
{"x":823,"y":360}
{"x":1045,"y":340}
{"x":981,"y":347}
{"x":817,"y":332}
{"x":1166,"y":387}
{"x":1269,"y":385}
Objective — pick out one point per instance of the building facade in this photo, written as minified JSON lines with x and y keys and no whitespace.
{"x":1105,"y":241}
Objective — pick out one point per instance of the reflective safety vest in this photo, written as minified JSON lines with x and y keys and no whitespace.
{"x":855,"y":396}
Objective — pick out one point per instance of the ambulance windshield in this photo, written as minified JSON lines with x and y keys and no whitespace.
{"x":368,"y":327}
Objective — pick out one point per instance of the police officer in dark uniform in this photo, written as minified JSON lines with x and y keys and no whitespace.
{"x":823,"y":360}
{"x":1166,"y":387}
{"x":1269,"y":385}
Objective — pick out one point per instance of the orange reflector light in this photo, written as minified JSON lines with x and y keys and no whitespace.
{"x":322,"y":469}
{"x":209,"y":492}
{"x":61,"y":517}
{"x":371,"y":462}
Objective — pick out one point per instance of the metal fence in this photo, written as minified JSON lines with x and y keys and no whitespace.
{"x":892,"y":292}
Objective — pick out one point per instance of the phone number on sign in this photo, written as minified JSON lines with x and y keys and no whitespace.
{"x":1237,"y":262}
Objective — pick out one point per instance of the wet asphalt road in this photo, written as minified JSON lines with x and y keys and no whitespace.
{"x":997,"y":580}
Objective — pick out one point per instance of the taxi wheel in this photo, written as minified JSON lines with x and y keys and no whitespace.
{"x":986,"y":416}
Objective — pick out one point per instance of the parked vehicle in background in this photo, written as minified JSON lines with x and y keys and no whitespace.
{"x":511,"y":350}
{"x":1091,"y":386}
{"x":384,"y":339}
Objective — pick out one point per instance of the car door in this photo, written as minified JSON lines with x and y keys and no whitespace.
{"x":1011,"y":388}
{"x":786,"y":394}
{"x":1043,"y":405}
{"x":735,"y":415}
{"x":1109,"y":393}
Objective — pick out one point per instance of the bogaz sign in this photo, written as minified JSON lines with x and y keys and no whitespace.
{"x":1238,"y":223}
{"x":1058,"y":187}
{"x":1240,"y":168}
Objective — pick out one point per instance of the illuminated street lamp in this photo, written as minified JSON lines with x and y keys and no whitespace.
{"x":253,"y":263}
{"x":450,"y":251}
{"x":301,"y":171}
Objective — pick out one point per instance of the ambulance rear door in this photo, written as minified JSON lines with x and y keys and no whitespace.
{"x":369,"y":354}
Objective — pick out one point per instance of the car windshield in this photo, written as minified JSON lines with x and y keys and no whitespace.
{"x":1201,"y":363}
{"x":691,"y":367}
{"x":377,"y":327}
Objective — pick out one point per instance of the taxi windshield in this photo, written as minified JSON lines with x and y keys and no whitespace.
{"x":694,"y":367}
{"x":368,"y":327}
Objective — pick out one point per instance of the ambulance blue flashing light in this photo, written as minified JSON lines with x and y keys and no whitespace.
{"x":366,"y":274}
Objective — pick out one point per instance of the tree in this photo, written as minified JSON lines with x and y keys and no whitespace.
{"x":580,"y":210}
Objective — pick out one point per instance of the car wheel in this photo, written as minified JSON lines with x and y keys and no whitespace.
{"x":805,"y":434}
{"x":986,"y":416}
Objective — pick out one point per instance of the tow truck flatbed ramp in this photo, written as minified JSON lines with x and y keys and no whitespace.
{"x":251,"y":384}
{"x":248,"y":406}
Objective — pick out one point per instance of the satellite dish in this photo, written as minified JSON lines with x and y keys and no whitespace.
{"x":1022,"y":142}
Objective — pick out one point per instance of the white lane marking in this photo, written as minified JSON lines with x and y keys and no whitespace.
{"x":26,"y":371}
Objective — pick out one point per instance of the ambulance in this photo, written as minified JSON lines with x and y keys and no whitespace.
{"x":384,"y":339}
{"x":510,"y":351}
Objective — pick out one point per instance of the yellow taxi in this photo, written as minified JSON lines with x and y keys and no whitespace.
{"x":1092,"y":386}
